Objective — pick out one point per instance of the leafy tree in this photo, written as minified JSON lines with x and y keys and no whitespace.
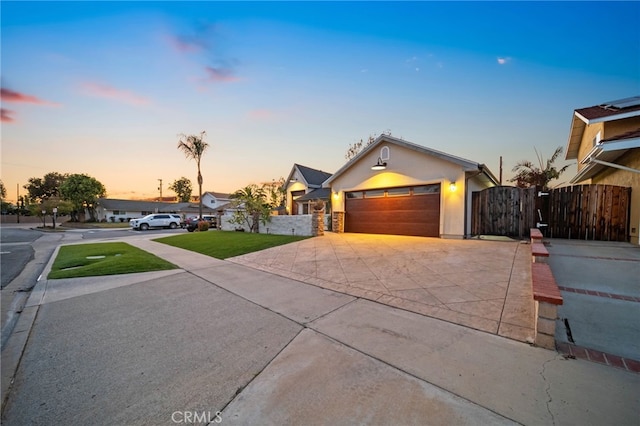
{"x":183,"y":188}
{"x":5,"y":207}
{"x":275,"y":192}
{"x":49,"y":186}
{"x":528,"y":174}
{"x":193,"y":147}
{"x":354,"y":149}
{"x":64,"y":208}
{"x":252,"y":207}
{"x":82,"y":191}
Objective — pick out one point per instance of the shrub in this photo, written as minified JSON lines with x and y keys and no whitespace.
{"x":203,"y":225}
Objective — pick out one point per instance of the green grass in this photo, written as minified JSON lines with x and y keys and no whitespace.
{"x":120,"y":258}
{"x":225,"y":244}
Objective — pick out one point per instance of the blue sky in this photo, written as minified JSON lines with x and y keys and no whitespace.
{"x":105,"y":88}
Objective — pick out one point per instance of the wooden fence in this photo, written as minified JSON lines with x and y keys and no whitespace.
{"x":588,"y":212}
{"x":503,"y":210}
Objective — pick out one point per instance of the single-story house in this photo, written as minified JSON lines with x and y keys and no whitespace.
{"x":605,"y":140}
{"x":303,"y":187}
{"x":116,"y":210}
{"x":397,"y":187}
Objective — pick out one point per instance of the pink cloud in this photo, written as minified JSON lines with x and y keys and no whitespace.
{"x":261,"y":114}
{"x":6,"y":115}
{"x":221,"y":75}
{"x":8,"y":95}
{"x":183,"y":45}
{"x":109,"y":92}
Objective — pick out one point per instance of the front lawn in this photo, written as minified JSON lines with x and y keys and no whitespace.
{"x":88,"y":260}
{"x":224,"y":244}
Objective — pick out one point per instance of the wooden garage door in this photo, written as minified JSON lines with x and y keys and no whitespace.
{"x":398,"y":211}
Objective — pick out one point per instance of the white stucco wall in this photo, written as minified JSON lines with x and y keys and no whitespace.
{"x":407,"y":167}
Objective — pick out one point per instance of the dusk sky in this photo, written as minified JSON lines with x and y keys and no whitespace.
{"x":105,"y":88}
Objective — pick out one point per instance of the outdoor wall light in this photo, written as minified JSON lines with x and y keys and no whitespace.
{"x":380,"y":165}
{"x":452,"y":187}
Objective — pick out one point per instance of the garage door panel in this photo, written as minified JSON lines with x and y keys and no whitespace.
{"x":412,"y":215}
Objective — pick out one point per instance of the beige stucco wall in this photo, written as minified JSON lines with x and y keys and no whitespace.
{"x":612,"y":176}
{"x":586,"y":144}
{"x":407,"y":167}
{"x":298,"y":185}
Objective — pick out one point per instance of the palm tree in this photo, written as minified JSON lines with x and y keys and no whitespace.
{"x":194,"y":147}
{"x":527,"y":174}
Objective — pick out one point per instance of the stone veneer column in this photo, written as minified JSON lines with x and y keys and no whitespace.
{"x":317,"y":223}
{"x":337,"y":222}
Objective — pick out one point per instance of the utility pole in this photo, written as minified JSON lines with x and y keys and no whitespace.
{"x":18,"y":202}
{"x":160,"y":188}
{"x":501,"y":170}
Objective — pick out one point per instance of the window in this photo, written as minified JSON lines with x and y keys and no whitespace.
{"x":426,"y":189}
{"x":357,"y":194}
{"x":398,"y":192}
{"x":374,"y":193}
{"x":597,"y":138}
{"x":384,"y":153}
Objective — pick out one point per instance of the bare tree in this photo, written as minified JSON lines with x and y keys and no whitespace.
{"x":194,"y":147}
{"x":354,"y":149}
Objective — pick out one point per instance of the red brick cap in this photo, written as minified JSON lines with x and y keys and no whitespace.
{"x":538,"y":249}
{"x":535,"y":234}
{"x":545,"y":288}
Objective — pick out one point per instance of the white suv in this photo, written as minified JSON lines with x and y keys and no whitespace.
{"x":156,"y":221}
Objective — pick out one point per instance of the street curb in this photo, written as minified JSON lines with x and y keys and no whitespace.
{"x":17,"y":341}
{"x":12,"y":353}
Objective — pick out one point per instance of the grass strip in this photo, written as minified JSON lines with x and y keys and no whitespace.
{"x":90,"y":260}
{"x":225,"y":244}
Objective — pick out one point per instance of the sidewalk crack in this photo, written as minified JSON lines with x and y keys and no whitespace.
{"x":547,"y":389}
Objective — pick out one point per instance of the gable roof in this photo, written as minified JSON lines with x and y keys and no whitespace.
{"x":466,"y":165}
{"x":608,"y":111}
{"x":220,"y":195}
{"x":312,"y":177}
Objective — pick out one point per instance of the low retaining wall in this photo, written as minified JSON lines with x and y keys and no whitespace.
{"x":546,"y":293}
{"x":299,"y":224}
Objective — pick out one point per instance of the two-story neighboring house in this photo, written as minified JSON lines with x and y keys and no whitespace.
{"x":303,"y":187}
{"x":605,"y":140}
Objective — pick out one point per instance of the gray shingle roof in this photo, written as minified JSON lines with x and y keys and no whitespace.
{"x":313,"y":176}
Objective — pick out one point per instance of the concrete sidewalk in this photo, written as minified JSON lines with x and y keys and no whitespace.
{"x":249,"y":347}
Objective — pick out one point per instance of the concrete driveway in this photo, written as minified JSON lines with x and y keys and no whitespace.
{"x":215,"y":341}
{"x":485,"y":285}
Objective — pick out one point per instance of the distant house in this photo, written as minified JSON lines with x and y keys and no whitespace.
{"x":397,"y":187}
{"x":303,"y":187}
{"x":115,"y":210}
{"x":605,"y":140}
